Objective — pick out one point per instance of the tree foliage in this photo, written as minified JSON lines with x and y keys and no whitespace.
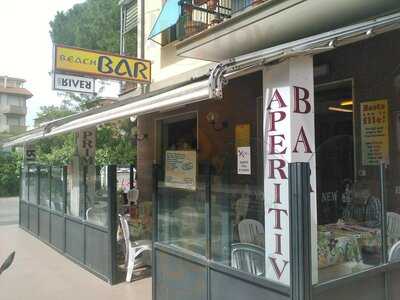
{"x":10,"y":163}
{"x":93,"y":24}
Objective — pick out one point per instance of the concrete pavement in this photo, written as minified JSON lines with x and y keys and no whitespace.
{"x":9,"y":210}
{"x":41,"y":273}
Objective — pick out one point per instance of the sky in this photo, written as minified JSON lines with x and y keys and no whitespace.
{"x":26,"y":48}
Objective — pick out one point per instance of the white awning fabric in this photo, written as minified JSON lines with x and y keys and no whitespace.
{"x":175,"y":98}
{"x":25,"y":138}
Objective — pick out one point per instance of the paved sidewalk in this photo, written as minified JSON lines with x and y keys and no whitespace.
{"x":41,"y":273}
{"x":9,"y":210}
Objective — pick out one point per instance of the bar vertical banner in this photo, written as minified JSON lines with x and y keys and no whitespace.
{"x":289,"y":136}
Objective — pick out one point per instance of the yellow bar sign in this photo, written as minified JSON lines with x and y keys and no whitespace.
{"x":101,"y":64}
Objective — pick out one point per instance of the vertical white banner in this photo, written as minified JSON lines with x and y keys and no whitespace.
{"x":289,"y":136}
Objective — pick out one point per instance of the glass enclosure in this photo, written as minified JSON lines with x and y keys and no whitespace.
{"x":44,"y":186}
{"x":33,"y":184}
{"x":357,"y":159}
{"x":24,"y":184}
{"x":58,"y":182}
{"x":96,"y":195}
{"x":208,"y":204}
{"x":75,"y":189}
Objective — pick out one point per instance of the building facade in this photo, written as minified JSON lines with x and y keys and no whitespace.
{"x":13,"y":109}
{"x":268,"y":147}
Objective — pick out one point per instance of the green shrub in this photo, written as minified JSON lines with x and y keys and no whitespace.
{"x":10,"y":163}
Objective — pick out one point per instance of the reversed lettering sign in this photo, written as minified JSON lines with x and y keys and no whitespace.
{"x":101,"y":64}
{"x":30,"y":153}
{"x":70,"y":83}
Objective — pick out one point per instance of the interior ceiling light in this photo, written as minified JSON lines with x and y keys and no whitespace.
{"x":346,"y":102}
{"x":338,"y":109}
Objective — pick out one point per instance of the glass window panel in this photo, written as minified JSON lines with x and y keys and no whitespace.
{"x":181,"y":214}
{"x":33,"y":182}
{"x":24,"y":183}
{"x":96,"y":195}
{"x":181,"y":185}
{"x":57,"y":189}
{"x":75,"y":189}
{"x":44,"y":189}
{"x":349,"y":202}
{"x":237,"y":212}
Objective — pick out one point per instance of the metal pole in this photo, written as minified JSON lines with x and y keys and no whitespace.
{"x":383,"y":213}
{"x":155,"y":229}
{"x":300,"y":231}
{"x":112,"y":221}
{"x":384,"y":228}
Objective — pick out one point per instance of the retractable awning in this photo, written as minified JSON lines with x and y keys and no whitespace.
{"x":312,"y":45}
{"x":176,"y":98}
{"x":25,"y":138}
{"x":212,"y":87}
{"x":157,"y":101}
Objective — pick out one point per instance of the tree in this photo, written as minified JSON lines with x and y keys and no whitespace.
{"x":52,"y":112}
{"x":93,"y":24}
{"x":10,"y":163}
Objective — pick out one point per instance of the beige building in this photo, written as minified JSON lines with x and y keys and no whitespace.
{"x":13,"y":110}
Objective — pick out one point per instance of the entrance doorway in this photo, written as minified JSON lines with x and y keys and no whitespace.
{"x":334,"y":148}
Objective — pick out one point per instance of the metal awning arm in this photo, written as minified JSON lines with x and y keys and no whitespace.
{"x":307,"y":46}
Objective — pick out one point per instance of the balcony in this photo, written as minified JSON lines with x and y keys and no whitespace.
{"x":203,"y":14}
{"x":14,"y":110}
{"x":216,"y":30}
{"x":12,"y":129}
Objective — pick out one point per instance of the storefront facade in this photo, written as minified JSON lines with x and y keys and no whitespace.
{"x":273,"y":176}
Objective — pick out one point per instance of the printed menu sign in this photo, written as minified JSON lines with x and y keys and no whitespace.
{"x":180,"y":169}
{"x":244,"y":160}
{"x":374,"y":132}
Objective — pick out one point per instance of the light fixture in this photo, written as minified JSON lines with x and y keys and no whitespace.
{"x":346,"y":102}
{"x":212,"y":118}
{"x":140,"y":137}
{"x":338,"y":109}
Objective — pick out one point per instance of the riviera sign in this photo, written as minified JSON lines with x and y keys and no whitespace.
{"x":289,"y":137}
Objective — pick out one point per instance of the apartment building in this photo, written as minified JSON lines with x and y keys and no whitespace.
{"x":13,"y":109}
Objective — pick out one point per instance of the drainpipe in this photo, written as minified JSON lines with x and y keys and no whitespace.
{"x":144,"y":87}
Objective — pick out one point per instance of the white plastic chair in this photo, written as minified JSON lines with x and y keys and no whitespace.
{"x":393,"y":225}
{"x":248,"y":258}
{"x":394,"y":253}
{"x":250,"y":231}
{"x":133,"y":195}
{"x":133,"y":249}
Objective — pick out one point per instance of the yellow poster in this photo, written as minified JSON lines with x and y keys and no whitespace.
{"x":181,"y":169}
{"x":242,"y":135}
{"x":374,"y":132}
{"x":101,"y":64}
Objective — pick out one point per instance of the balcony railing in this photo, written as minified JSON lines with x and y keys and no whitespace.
{"x":199,"y":15}
{"x":14,"y":110}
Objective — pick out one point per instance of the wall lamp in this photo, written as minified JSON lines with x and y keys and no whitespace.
{"x":140,"y":137}
{"x":212,"y":118}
